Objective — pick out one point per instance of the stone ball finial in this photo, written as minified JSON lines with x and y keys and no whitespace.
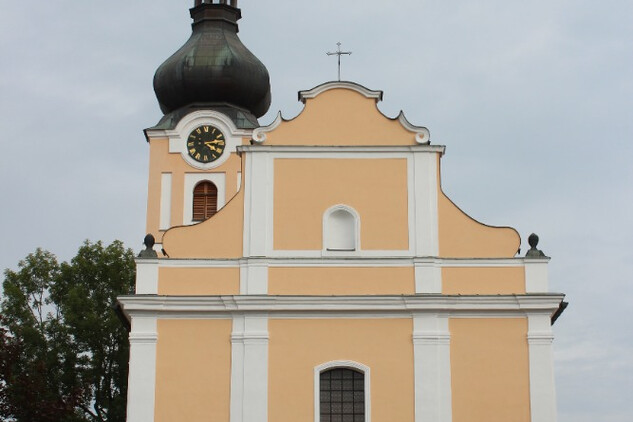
{"x":149,"y":251}
{"x":534,"y":252}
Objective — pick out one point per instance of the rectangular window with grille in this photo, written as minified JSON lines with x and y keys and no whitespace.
{"x":342,"y":395}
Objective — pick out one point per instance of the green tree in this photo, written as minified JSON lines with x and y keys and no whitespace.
{"x":63,"y":351}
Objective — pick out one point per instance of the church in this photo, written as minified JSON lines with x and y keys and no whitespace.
{"x":313,"y":270}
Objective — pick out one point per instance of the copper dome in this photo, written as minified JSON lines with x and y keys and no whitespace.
{"x":213,"y":68}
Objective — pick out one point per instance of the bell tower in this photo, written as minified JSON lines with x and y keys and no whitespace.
{"x":211,"y":91}
{"x":313,"y":269}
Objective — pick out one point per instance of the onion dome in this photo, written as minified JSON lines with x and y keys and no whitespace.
{"x":213,"y":69}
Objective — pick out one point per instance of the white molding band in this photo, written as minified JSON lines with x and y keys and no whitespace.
{"x":354,"y":261}
{"x":341,"y":364}
{"x":542,"y":386}
{"x":142,"y":373}
{"x":308,"y":151}
{"x":165,"y":201}
{"x":249,"y":368}
{"x":432,"y":368}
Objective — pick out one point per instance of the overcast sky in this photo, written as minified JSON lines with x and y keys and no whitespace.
{"x":534,"y":101}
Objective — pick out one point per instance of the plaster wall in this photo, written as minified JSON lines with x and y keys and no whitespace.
{"x":198,"y":281}
{"x":341,"y":281}
{"x":461,"y":236}
{"x":341,"y":117}
{"x":218,"y":237}
{"x":490,"y":369}
{"x":193,"y":365}
{"x":305,"y":188}
{"x":483,"y":280}
{"x":296,"y":347}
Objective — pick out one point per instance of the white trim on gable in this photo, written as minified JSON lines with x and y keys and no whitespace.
{"x":366,"y":92}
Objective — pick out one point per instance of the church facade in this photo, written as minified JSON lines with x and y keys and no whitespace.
{"x":313,"y":269}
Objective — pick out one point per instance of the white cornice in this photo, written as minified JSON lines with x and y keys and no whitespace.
{"x":311,"y":93}
{"x":385,"y":261}
{"x":406,"y":304}
{"x":340,"y":148}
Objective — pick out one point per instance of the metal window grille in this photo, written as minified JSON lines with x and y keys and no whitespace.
{"x":342,"y":395}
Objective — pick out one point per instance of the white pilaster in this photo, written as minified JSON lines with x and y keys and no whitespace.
{"x":142,"y":372}
{"x":542,"y":389}
{"x":426,"y":214}
{"x":146,"y":276}
{"x":536,"y":278}
{"x":254,"y":277}
{"x":165,"y":201}
{"x":432,"y":366}
{"x":258,"y":204}
{"x":428,"y":276}
{"x":249,"y":368}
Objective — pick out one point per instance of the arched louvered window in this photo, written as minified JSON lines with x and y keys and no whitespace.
{"x":205,"y":200}
{"x":342,"y":395}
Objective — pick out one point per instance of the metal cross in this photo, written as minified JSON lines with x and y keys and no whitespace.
{"x":339,"y":53}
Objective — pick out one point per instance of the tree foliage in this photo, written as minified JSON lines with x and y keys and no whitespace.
{"x":63,"y":351}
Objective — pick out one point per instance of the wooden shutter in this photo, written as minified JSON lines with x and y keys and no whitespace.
{"x":205,"y":201}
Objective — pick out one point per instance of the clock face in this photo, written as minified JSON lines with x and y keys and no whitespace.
{"x":206,"y":144}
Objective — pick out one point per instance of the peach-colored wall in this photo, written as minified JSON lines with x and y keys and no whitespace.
{"x":341,"y":281}
{"x":161,"y":161}
{"x":297,"y":346}
{"x":460,"y":236}
{"x":340,"y":117}
{"x":483,"y":280}
{"x":306,"y":188}
{"x":489,"y":370}
{"x":218,"y":237}
{"x":198,"y":281}
{"x":193,"y":370}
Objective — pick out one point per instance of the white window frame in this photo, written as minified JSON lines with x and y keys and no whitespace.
{"x":347,"y":364}
{"x":326,"y":237}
